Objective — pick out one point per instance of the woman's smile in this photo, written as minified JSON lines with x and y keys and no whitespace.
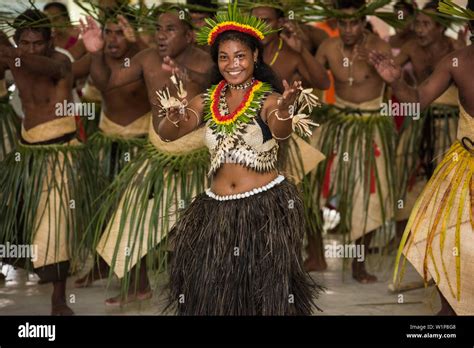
{"x":234,"y":73}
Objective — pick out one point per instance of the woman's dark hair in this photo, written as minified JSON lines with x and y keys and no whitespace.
{"x":61,"y":7}
{"x":262,"y":71}
{"x":33,"y":20}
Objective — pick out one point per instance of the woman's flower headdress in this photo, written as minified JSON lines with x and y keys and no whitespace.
{"x":233,"y":19}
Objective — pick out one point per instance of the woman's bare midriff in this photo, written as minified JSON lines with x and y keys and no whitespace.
{"x":234,"y":178}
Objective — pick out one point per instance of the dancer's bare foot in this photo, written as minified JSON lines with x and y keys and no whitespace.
{"x":359,"y":272}
{"x":96,"y":273}
{"x":58,"y":299}
{"x":61,"y":309}
{"x":315,"y":261}
{"x":120,"y":300}
{"x":311,"y":264}
{"x":139,"y":292}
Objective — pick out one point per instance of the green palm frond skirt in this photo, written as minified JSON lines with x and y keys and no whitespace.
{"x":112,"y":154}
{"x":46,"y":194}
{"x":9,"y":127}
{"x":421,"y":146}
{"x":115,"y":145}
{"x":358,"y":177}
{"x":137,"y":210}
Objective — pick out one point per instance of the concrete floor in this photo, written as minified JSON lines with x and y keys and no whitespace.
{"x":21,"y":295}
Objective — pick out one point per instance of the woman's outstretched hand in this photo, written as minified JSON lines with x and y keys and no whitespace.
{"x":287,"y":100}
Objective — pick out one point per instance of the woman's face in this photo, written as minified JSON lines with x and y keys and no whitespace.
{"x":236,"y":61}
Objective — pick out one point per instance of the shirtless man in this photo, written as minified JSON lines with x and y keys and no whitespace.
{"x":174,"y":53}
{"x":360,"y":83}
{"x":44,"y":78}
{"x":153,"y":65}
{"x":445,"y":74}
{"x":356,"y":82}
{"x":125,"y":104}
{"x":287,"y":53}
{"x":423,"y":53}
{"x":125,"y":111}
{"x":429,"y":46}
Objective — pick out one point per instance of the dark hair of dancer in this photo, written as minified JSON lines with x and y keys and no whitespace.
{"x":205,"y":3}
{"x":346,"y":4}
{"x":33,"y":20}
{"x":433,"y":5}
{"x":262,"y":71}
{"x":279,"y":12}
{"x":181,"y":10}
{"x":61,"y":7}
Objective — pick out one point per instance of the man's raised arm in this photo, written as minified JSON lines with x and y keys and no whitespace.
{"x":426,"y":93}
{"x":57,"y":66}
{"x":99,"y":70}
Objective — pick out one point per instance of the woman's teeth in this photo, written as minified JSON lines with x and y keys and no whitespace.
{"x":234,"y":73}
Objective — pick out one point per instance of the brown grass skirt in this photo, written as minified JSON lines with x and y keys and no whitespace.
{"x":242,"y":257}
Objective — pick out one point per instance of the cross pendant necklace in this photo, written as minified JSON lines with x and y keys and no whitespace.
{"x":351,"y":62}
{"x":351,"y":79}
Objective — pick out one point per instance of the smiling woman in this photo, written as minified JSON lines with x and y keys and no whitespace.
{"x":237,"y":248}
{"x":238,"y":56}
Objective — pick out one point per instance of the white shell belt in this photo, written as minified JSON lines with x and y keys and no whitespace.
{"x":267,"y":187}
